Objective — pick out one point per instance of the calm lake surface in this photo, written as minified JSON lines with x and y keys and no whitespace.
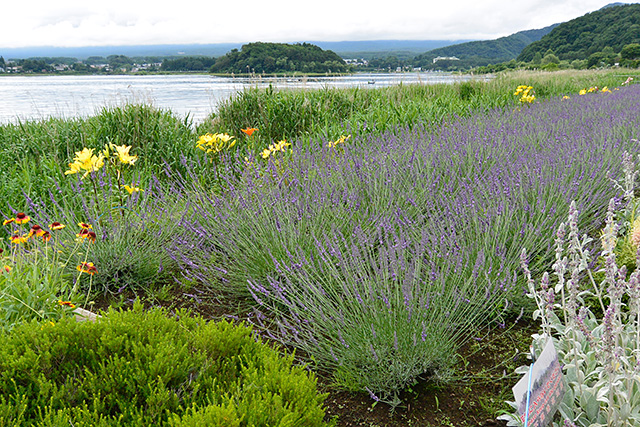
{"x":38,"y":97}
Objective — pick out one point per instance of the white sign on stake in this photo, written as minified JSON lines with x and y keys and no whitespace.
{"x":545,"y":383}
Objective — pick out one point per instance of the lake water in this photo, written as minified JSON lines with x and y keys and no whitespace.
{"x":37,"y":97}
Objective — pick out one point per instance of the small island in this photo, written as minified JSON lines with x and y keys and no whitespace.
{"x":252,"y":58}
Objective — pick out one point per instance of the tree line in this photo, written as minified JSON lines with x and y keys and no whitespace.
{"x":252,"y":58}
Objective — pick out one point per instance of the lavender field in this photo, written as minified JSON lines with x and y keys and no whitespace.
{"x":377,"y":256}
{"x":380,"y":258}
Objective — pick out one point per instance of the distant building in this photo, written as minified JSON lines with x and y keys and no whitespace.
{"x":448,"y":58}
{"x":357,"y":62}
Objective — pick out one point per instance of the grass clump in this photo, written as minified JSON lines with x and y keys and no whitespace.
{"x":141,"y":368}
{"x":34,"y":155}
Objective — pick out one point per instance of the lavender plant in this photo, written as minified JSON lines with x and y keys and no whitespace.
{"x":373,"y":310}
{"x":601,"y":355}
{"x":319,"y":245}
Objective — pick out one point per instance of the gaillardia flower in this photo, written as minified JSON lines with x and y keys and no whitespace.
{"x":22,"y":218}
{"x":18,"y":239}
{"x":66,"y":304}
{"x":87,"y":234}
{"x":56,"y":226}
{"x":36,"y":230}
{"x":87,"y":267}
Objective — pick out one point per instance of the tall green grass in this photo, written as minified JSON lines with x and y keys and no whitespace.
{"x":35,"y":154}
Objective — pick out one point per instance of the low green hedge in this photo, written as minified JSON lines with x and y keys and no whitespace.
{"x":141,"y":368}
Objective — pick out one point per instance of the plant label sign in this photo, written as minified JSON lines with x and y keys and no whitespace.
{"x":547,"y":389}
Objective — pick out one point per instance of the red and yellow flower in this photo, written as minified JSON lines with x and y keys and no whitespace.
{"x":87,"y":234}
{"x":87,"y":267}
{"x":36,"y":230}
{"x":66,"y":304}
{"x":18,"y":239}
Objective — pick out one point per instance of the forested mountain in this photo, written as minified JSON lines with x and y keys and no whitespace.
{"x":606,"y":31}
{"x":483,"y":52}
{"x":278,"y":58}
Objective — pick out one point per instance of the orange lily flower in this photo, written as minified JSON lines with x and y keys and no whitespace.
{"x":249,"y":131}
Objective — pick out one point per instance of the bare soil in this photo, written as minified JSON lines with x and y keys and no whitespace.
{"x":483,"y":377}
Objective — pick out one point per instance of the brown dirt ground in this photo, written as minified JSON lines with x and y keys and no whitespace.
{"x":485,"y":377}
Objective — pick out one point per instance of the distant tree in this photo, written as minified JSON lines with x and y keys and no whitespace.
{"x":119,"y":61}
{"x":187,"y":63}
{"x":630,"y":51}
{"x":95,"y":60}
{"x":606,"y":31}
{"x":79,"y":67}
{"x":550,"y":58}
{"x":35,"y":66}
{"x":598,"y":59}
{"x":579,"y":64}
{"x":278,"y":58}
{"x":537,"y":58}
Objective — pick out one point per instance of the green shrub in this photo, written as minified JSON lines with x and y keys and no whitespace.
{"x":141,"y":368}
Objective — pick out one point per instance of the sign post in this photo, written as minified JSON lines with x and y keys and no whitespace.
{"x":539,"y":393}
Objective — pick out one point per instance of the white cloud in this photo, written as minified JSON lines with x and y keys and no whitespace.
{"x":122,"y":22}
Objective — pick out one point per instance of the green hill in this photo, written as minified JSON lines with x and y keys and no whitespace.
{"x":279,"y":58}
{"x":606,"y":30}
{"x":483,"y":52}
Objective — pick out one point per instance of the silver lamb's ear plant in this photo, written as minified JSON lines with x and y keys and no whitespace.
{"x":600,"y":355}
{"x":630,"y":174}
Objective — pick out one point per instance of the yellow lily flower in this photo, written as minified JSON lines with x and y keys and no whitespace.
{"x":123,"y":154}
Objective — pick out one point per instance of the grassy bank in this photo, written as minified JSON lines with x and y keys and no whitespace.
{"x":329,"y":113}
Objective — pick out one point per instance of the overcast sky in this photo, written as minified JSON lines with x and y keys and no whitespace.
{"x":132,"y":22}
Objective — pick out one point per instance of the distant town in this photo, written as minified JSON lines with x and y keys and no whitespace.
{"x":120,"y":64}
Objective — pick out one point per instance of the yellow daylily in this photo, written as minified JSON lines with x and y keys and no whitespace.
{"x":214,"y":143}
{"x":73,"y":168}
{"x":122,"y":152}
{"x":341,"y":140}
{"x":132,"y":189}
{"x":87,"y":161}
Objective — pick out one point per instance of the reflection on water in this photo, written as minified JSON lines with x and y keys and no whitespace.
{"x":37,"y":97}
